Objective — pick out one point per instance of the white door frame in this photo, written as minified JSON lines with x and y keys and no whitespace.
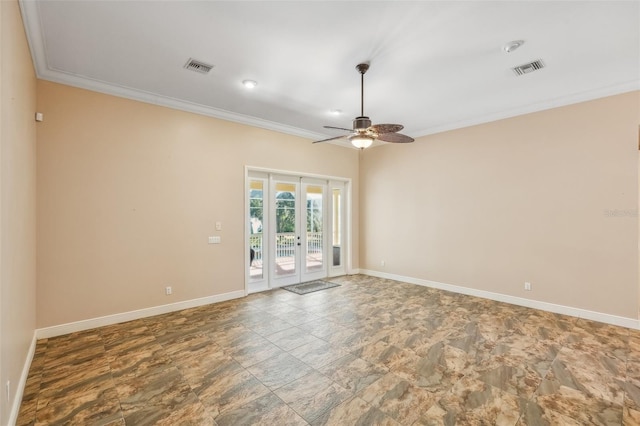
{"x":268,"y":174}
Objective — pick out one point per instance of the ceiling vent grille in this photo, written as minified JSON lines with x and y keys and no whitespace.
{"x":528,"y":68}
{"x":198,"y":66}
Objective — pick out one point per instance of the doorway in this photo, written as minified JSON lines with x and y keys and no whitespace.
{"x":296,"y":229}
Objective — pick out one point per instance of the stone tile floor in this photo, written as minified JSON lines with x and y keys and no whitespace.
{"x":371,"y":352}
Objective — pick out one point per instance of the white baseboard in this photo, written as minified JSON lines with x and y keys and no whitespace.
{"x":72,"y":327}
{"x":520,"y":301}
{"x":19,"y":393}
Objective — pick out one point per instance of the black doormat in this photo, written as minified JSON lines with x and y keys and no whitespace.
{"x":310,"y":287}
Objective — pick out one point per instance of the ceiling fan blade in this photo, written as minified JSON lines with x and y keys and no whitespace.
{"x":395,"y":138}
{"x":331,"y":139}
{"x":338,"y":128}
{"x":386,"y":128}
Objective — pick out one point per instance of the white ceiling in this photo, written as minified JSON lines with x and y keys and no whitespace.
{"x":435,"y":65}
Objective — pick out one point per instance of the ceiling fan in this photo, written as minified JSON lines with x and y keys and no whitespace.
{"x":364,"y":133}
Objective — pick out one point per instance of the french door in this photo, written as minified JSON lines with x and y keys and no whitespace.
{"x":296,"y":229}
{"x":297,"y":225}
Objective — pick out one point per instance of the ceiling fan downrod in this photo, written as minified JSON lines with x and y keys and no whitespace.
{"x":362,"y":122}
{"x":362,"y":69}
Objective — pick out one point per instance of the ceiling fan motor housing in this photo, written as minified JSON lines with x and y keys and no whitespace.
{"x":361,"y":123}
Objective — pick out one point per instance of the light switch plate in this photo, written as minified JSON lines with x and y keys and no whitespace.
{"x":214,"y":240}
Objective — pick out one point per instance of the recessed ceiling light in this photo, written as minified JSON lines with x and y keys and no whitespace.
{"x":250,"y":84}
{"x":512,"y":45}
{"x":335,"y":112}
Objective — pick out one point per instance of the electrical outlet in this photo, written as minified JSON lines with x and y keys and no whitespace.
{"x":527,"y":286}
{"x":382,"y":263}
{"x":168,"y":291}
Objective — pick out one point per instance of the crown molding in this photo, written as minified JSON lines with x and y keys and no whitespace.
{"x":83,"y":82}
{"x":588,"y":95}
{"x":31,"y":20}
{"x":32,"y":24}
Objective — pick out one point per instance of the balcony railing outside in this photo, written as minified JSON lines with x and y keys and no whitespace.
{"x":255,"y":243}
{"x":314,"y":242}
{"x":286,"y":244}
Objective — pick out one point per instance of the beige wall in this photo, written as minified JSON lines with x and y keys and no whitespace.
{"x":17,"y":201}
{"x":524,"y":199}
{"x":129,"y":192}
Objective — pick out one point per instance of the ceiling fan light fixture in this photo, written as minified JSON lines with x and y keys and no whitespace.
{"x":361,"y":141}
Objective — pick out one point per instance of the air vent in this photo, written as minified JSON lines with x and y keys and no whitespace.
{"x":527,"y":68}
{"x":198,"y":66}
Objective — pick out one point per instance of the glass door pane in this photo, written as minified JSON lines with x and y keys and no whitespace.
{"x":337,"y":226}
{"x":256,"y":235}
{"x":315,"y":235}
{"x":314,"y":223}
{"x":286,"y":239}
{"x":338,"y":223}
